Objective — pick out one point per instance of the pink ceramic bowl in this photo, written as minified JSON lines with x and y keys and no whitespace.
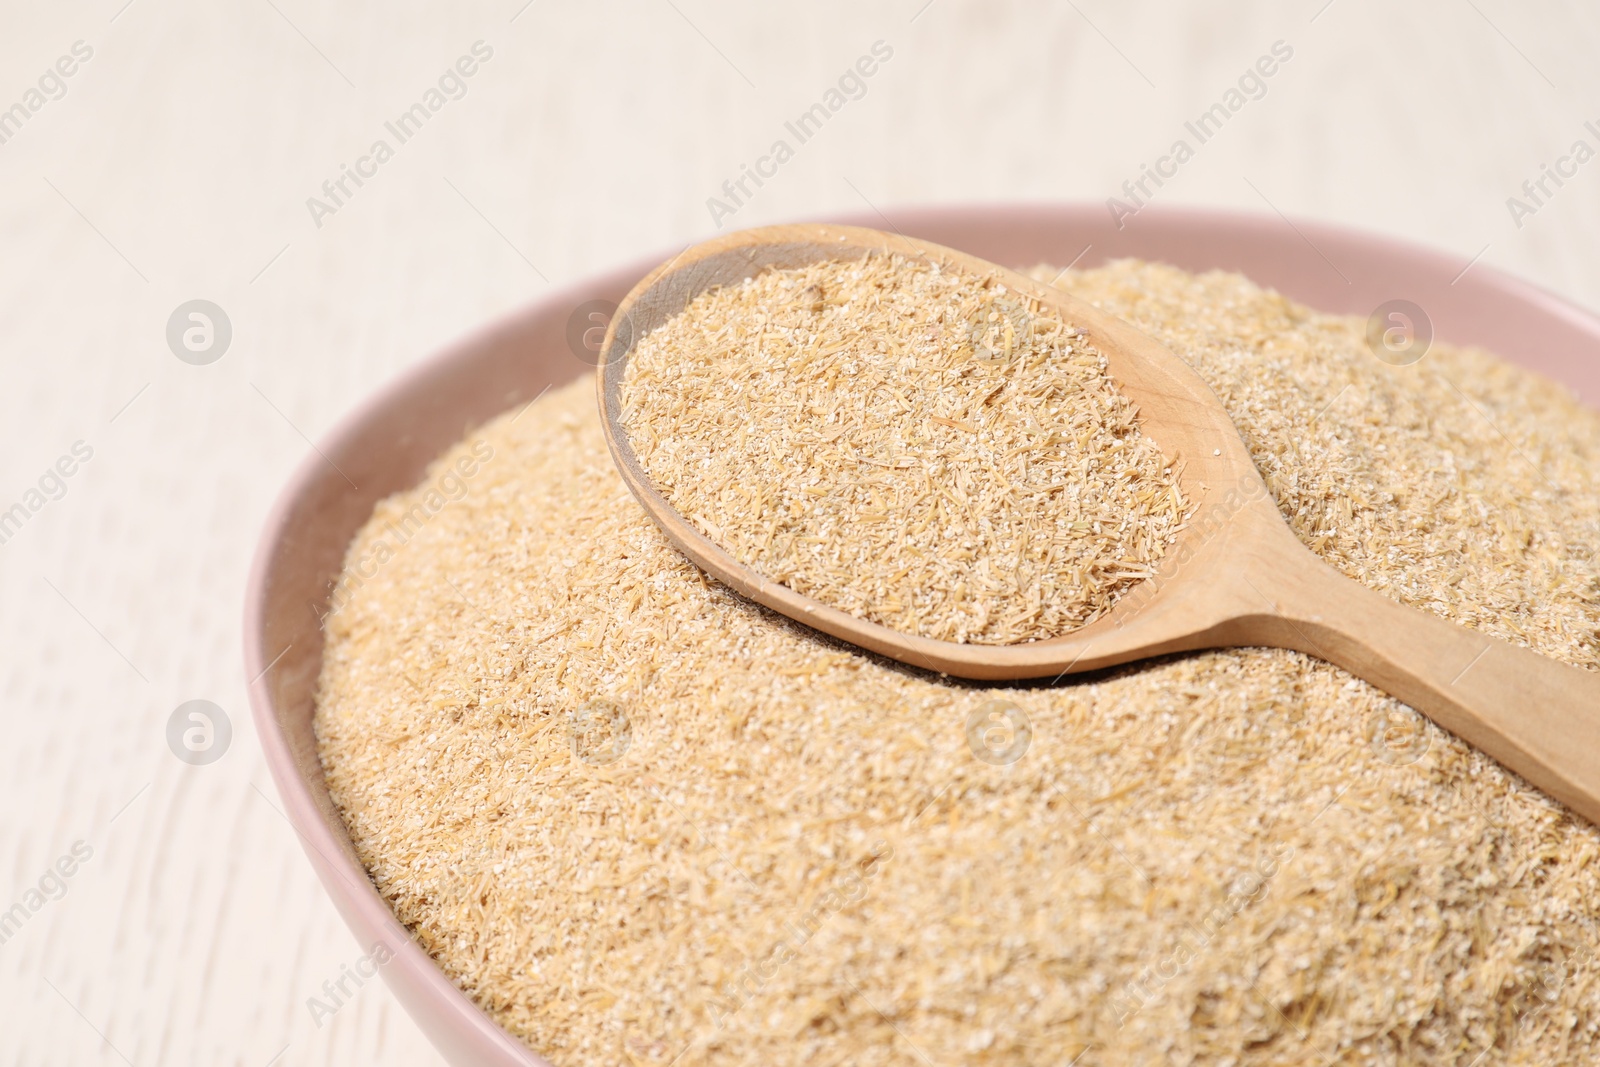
{"x":386,"y":444}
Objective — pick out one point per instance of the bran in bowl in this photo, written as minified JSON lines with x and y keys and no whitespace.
{"x":642,"y":821}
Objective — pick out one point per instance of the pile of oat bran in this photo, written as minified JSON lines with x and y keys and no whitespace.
{"x":1242,"y":857}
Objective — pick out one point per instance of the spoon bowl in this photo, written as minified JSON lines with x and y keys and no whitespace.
{"x":1236,"y":574}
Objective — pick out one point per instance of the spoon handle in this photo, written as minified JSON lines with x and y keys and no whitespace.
{"x":1537,"y":716}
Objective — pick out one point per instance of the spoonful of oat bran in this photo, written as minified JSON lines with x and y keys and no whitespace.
{"x":930,"y":451}
{"x":942,"y":461}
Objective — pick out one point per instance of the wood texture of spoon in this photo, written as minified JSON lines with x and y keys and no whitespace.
{"x":1236,"y":576}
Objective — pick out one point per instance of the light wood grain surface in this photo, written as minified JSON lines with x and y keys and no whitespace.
{"x":176,"y":163}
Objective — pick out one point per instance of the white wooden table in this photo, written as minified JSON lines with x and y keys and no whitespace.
{"x":176,"y":161}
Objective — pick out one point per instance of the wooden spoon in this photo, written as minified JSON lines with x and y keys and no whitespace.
{"x":1236,"y":576}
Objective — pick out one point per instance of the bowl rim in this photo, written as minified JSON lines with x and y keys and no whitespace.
{"x":458,"y":1028}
